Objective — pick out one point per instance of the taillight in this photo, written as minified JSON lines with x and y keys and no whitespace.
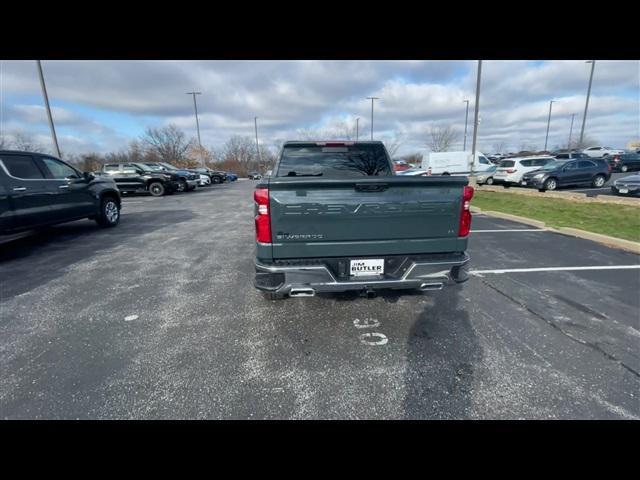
{"x":510,"y":170}
{"x":263,"y":219}
{"x":465,"y":214}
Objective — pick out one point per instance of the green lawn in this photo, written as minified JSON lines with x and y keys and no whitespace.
{"x":619,"y":221}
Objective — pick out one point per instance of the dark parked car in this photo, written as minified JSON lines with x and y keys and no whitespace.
{"x":624,"y":163}
{"x":629,"y":185}
{"x":574,"y":172}
{"x":37,"y":190}
{"x":137,"y":177}
{"x":570,"y":156}
{"x":215,"y":175}
{"x":232,"y":177}
{"x":188,"y":180}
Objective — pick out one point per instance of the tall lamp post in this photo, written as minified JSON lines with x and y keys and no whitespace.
{"x":255,"y":121}
{"x":546,"y":138}
{"x":472,"y":177}
{"x":195,"y":109}
{"x":586,"y":105}
{"x":46,"y":104}
{"x":372,"y":99}
{"x":570,"y":132}
{"x":357,"y":128}
{"x":466,"y":120}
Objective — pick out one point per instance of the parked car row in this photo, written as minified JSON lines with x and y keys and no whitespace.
{"x":161,"y":178}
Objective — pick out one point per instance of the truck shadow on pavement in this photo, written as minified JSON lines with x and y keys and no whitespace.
{"x":44,"y":255}
{"x":442,"y":355}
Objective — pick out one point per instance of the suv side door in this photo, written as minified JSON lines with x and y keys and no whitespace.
{"x":569,"y":173}
{"x":131,"y":178}
{"x":29,"y":192}
{"x":72,"y":198}
{"x":586,"y":170}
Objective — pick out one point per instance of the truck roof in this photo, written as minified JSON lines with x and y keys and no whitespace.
{"x":345,"y":142}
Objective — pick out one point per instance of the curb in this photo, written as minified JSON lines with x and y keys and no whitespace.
{"x":627,"y":245}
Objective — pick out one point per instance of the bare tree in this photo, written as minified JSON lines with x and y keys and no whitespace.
{"x":442,"y":138}
{"x":167,"y":143}
{"x":25,"y":142}
{"x":394,"y":143}
{"x":499,"y":147}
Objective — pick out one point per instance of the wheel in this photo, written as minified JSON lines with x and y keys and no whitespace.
{"x":182,"y":186}
{"x":598,"y":181}
{"x":489,"y":181}
{"x":215,"y":180}
{"x":550,"y":184}
{"x":273,"y":296}
{"x":446,"y":173}
{"x":623,"y":168}
{"x":109,"y":215}
{"x":506,"y":185}
{"x":156,"y":189}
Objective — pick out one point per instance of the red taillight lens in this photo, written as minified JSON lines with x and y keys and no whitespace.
{"x":465,"y":214}
{"x":263,"y":217}
{"x":510,"y":170}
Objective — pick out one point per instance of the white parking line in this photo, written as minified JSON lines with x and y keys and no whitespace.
{"x":511,"y":230}
{"x":479,"y":273}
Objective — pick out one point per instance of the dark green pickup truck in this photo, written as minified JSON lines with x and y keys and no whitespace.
{"x":334,"y":217}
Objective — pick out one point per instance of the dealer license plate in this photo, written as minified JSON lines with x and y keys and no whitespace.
{"x":366,"y":268}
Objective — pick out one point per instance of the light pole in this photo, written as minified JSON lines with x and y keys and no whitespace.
{"x":586,"y":105}
{"x":46,"y":103}
{"x":570,"y":132}
{"x":372,"y":99}
{"x":546,"y":138}
{"x":466,"y":119}
{"x":255,"y":121}
{"x":195,"y":108}
{"x":357,"y":128}
{"x":472,"y":177}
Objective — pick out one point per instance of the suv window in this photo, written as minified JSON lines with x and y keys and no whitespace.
{"x":334,"y":161}
{"x":58,"y":169}
{"x":22,"y":166}
{"x":571,"y":165}
{"x":483,"y":160}
{"x":526,"y":163}
{"x":586,"y":164}
{"x":562,"y":155}
{"x":507,"y":163}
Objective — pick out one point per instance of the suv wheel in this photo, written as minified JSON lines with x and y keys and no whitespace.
{"x":623,"y":168}
{"x":156,"y":189}
{"x":182,"y":186}
{"x":598,"y":181}
{"x":550,"y":184}
{"x":489,"y":181}
{"x":109,"y":215}
{"x":215,"y":180}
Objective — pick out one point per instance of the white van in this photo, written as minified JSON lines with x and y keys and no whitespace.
{"x":454,"y":163}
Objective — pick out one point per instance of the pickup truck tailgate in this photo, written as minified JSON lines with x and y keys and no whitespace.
{"x":365,"y":216}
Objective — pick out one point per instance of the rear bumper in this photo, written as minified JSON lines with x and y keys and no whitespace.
{"x":426,"y":272}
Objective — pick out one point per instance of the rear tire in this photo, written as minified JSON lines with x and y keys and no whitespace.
{"x":624,"y":168}
{"x":156,"y":189}
{"x":109,"y":215}
{"x":489,"y":181}
{"x":598,"y":181}
{"x":215,"y":180}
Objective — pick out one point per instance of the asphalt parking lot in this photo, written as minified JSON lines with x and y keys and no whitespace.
{"x":158,"y":318}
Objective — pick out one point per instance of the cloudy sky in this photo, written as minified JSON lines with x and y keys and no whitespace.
{"x":101,"y":105}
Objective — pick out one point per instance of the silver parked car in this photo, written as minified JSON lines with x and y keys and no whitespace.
{"x":629,"y":185}
{"x":486,"y":177}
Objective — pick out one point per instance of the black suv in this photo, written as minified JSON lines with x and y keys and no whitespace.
{"x":37,"y":190}
{"x":137,"y":177}
{"x":593,"y":172}
{"x":625,"y":162}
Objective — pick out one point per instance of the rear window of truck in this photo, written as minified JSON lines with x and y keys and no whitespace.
{"x":334,"y":161}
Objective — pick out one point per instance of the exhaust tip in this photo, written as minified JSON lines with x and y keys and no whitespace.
{"x":302,"y":292}
{"x":432,"y":286}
